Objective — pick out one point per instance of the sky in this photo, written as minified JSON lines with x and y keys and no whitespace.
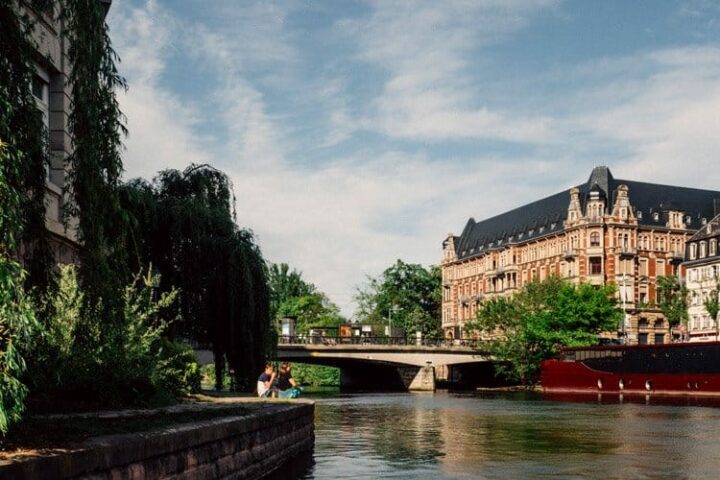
{"x":359,"y":132}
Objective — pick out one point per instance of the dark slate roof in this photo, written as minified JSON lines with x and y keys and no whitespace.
{"x":712,"y":229}
{"x":650,"y":201}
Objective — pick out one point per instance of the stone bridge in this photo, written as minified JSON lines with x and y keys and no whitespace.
{"x":385,"y":363}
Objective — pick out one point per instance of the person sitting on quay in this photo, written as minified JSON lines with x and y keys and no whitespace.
{"x":286,"y":384}
{"x":265,"y":387}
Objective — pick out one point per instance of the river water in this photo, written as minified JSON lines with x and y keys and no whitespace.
{"x":511,"y":436}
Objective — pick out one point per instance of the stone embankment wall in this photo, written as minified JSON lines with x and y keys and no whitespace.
{"x":248,"y":447}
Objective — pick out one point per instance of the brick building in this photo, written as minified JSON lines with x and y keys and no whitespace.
{"x":703,"y":280}
{"x":603,"y":231}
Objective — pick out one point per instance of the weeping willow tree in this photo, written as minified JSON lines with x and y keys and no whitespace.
{"x":96,"y":125}
{"x":184,"y":224}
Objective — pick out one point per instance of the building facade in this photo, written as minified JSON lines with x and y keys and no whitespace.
{"x":603,"y":231}
{"x":53,"y":96}
{"x":703,"y":280}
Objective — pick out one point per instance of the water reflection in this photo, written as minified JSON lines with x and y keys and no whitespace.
{"x":513,"y":436}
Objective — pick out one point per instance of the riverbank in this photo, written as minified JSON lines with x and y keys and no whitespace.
{"x":205,"y":439}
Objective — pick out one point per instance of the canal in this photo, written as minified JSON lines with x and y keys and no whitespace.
{"x":519,"y":435}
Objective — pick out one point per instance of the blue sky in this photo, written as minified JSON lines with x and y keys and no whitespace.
{"x":356,"y":133}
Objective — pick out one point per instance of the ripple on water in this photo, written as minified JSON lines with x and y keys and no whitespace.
{"x":446,"y":436}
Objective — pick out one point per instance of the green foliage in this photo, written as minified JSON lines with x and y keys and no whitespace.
{"x":316,"y":375}
{"x":409,"y":294}
{"x":135,"y":364}
{"x":673,"y":300}
{"x":183,"y":223}
{"x":285,"y":284}
{"x":95,"y":123}
{"x":712,"y":305}
{"x":25,"y":146}
{"x":312,"y":310}
{"x":17,"y":314}
{"x":541,"y":318}
{"x":17,"y":327}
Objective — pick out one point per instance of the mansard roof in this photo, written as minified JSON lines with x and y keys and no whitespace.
{"x":650,"y":202}
{"x":712,"y":229}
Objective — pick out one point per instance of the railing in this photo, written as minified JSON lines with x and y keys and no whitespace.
{"x":381,"y":340}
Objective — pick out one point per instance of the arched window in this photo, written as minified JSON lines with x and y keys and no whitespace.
{"x":595,"y":239}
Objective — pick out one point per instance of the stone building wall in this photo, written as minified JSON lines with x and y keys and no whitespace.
{"x":248,"y":447}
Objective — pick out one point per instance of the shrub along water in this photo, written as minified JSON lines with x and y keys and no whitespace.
{"x":138,"y":365}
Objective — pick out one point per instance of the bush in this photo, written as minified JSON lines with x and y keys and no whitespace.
{"x":316,"y":375}
{"x":81,"y":359}
{"x":179,"y":369}
{"x":17,"y":328}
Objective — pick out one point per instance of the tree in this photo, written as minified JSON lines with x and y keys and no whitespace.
{"x":673,"y":301}
{"x":183,"y":223}
{"x":409,"y":294}
{"x":544,"y":316}
{"x":712,"y":306}
{"x":285,"y":284}
{"x":312,"y":310}
{"x":95,"y":165}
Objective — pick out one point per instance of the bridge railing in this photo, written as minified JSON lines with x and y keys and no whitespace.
{"x":379,"y":340}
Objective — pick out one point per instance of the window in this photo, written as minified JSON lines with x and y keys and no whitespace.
{"x":595,"y":239}
{"x":642,"y":338}
{"x":711,"y":249}
{"x":41,"y":91}
{"x":702,"y":250}
{"x":595,"y":265}
{"x":660,"y":268}
{"x":693,"y":251}
{"x":659,"y":338}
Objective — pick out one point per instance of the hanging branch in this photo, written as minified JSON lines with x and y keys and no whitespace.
{"x":96,"y":125}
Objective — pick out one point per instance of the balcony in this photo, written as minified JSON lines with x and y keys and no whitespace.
{"x":570,"y":254}
{"x":676,"y":257}
{"x":627,"y":251}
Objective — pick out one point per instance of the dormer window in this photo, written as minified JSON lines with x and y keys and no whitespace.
{"x":553,"y":225}
{"x":688,"y":219}
{"x":639,"y":215}
{"x":542,"y":229}
{"x":703,"y":252}
{"x":531,"y":233}
{"x":711,"y":247}
{"x":656,"y":216}
{"x":693,"y":251}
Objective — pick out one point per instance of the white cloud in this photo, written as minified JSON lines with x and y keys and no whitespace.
{"x":668,"y":119}
{"x":426,"y":49}
{"x":161,"y":126}
{"x":339,"y":220}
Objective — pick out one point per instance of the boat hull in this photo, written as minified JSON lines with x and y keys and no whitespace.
{"x":568,"y":376}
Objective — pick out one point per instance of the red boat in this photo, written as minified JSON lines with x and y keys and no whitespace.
{"x":663,"y":369}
